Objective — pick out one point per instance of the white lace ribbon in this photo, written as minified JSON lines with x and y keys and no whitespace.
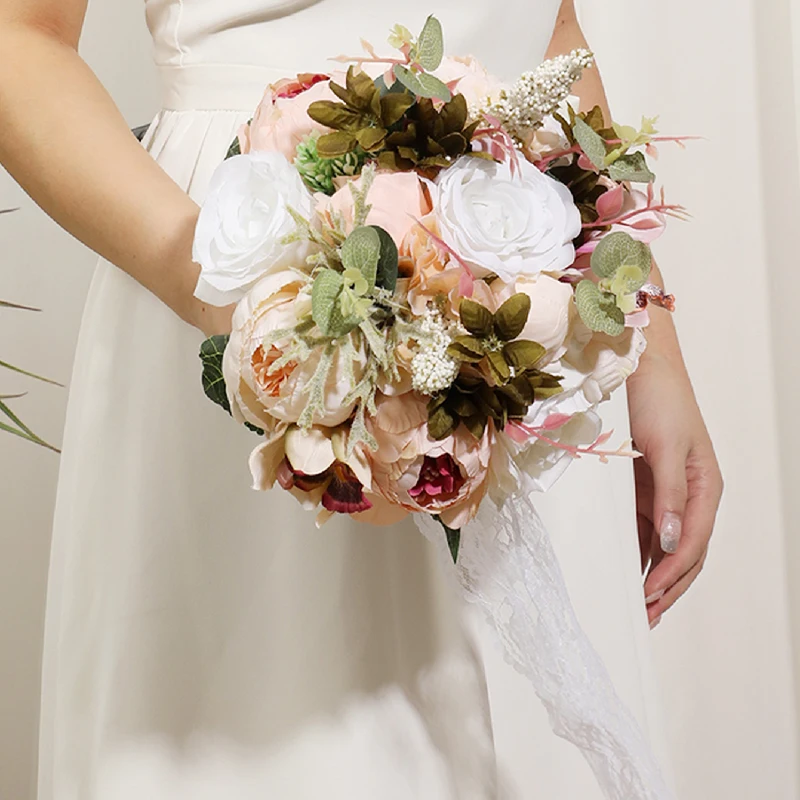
{"x":508,"y":567}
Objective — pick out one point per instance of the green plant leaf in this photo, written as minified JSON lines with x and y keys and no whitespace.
{"x":422,"y":84}
{"x":510,"y":319}
{"x":21,"y":371}
{"x":371,"y":139}
{"x":523,"y":354}
{"x":430,"y":45}
{"x":466,"y":348}
{"x":454,"y":114}
{"x":631,"y":167}
{"x":211,"y":354}
{"x":453,"y":539}
{"x":499,"y":367}
{"x":441,"y":424}
{"x":22,"y":430}
{"x":337,"y":116}
{"x":388,"y":262}
{"x":338,"y":143}
{"x":362,"y":251}
{"x":477,"y":319}
{"x":394,"y":105}
{"x":599,"y":310}
{"x":620,"y":249}
{"x":325,"y":296}
{"x":591,"y":143}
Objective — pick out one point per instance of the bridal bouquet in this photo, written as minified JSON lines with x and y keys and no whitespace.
{"x":439,"y":277}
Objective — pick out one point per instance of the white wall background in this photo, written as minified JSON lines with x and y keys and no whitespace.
{"x":729,"y":71}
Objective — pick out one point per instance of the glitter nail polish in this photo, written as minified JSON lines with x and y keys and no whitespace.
{"x":670,"y":532}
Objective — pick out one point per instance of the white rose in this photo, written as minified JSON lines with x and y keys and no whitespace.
{"x":505,"y":224}
{"x":242,"y":223}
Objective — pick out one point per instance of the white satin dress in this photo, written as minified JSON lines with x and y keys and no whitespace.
{"x":204,"y":641}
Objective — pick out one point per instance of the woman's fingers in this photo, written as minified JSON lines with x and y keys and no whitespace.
{"x":656,"y":610}
{"x":704,"y":493}
{"x":669,"y":497}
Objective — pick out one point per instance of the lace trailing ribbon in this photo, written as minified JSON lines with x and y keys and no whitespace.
{"x":507,"y":566}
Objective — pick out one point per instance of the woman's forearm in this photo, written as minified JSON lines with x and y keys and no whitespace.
{"x":67,"y":144}
{"x":661,"y":335}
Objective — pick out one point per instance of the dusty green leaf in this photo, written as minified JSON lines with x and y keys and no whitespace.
{"x":631,"y":167}
{"x":362,"y":251}
{"x":591,"y":143}
{"x":433,"y":87}
{"x":511,"y":317}
{"x":599,"y":310}
{"x":388,"y":261}
{"x":523,"y":354}
{"x":475,"y":318}
{"x":430,"y":45}
{"x":619,"y":249}
{"x":325,"y":296}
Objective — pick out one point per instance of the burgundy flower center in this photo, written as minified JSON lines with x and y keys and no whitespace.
{"x":440,"y":479}
{"x":344,"y":493}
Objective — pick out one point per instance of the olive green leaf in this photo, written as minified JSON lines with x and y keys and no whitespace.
{"x":388,"y":261}
{"x":394,"y":105}
{"x":620,"y":249}
{"x":338,"y":143}
{"x":335,"y":115}
{"x":362,"y":251}
{"x":441,"y":424}
{"x":510,"y":319}
{"x":371,"y":139}
{"x":591,"y":143}
{"x":453,"y":539}
{"x":499,"y":366}
{"x":430,"y":45}
{"x":475,"y":318}
{"x":523,"y":354}
{"x":631,"y":167}
{"x":599,"y":310}
{"x":466,"y":348}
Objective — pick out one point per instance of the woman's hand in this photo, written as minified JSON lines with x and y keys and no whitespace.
{"x":678,"y":480}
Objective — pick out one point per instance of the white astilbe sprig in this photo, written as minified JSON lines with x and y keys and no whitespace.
{"x":536,"y":95}
{"x":432,"y":369}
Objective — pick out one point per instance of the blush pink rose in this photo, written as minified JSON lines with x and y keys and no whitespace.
{"x":397,"y":200}
{"x":447,"y":478}
{"x":281,"y":120}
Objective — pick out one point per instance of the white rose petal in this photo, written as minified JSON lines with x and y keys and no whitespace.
{"x":509,"y":225}
{"x":242,"y":223}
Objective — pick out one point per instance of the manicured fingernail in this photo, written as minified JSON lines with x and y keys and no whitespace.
{"x":652,"y":598}
{"x":670,"y":532}
{"x":655,"y":623}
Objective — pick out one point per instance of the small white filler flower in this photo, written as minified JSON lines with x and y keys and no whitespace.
{"x":432,"y":370}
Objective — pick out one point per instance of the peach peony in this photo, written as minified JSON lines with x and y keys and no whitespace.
{"x":258,"y":393}
{"x":431,"y":271}
{"x":397,"y":200}
{"x":281,"y":122}
{"x":447,"y":478}
{"x":468,"y":76}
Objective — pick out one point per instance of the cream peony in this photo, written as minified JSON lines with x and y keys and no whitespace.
{"x":260,"y":394}
{"x":503,"y":223}
{"x":242,"y":223}
{"x":551,"y":313}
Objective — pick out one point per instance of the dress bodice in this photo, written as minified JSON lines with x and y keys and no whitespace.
{"x":300,"y":35}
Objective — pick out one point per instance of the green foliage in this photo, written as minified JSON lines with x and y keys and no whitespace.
{"x":491,"y":344}
{"x":362,"y":251}
{"x":619,"y":249}
{"x":430,"y":45}
{"x":388,"y":262}
{"x":453,"y":539}
{"x":599,"y":309}
{"x":212,"y":352}
{"x":631,"y":167}
{"x":422,"y":84}
{"x":318,"y":173}
{"x":592,"y":144}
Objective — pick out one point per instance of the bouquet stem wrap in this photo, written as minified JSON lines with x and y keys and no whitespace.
{"x":507,"y":567}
